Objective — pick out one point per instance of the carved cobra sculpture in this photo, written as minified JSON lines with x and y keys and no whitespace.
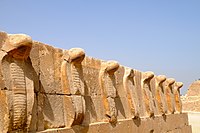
{"x":108,"y":88}
{"x":159,"y":95}
{"x":147,"y":94}
{"x":129,"y":85}
{"x":177,"y":87}
{"x":14,"y":54}
{"x":73,"y":85}
{"x":168,"y":95}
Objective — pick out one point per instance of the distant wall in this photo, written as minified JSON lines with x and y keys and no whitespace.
{"x":191,"y":105}
{"x":191,"y":101}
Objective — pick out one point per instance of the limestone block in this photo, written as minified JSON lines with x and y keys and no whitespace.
{"x":147,"y":94}
{"x":47,"y":69}
{"x":107,"y":81}
{"x":50,"y":111}
{"x":138,"y":81}
{"x":161,"y":124}
{"x":3,"y":38}
{"x":79,"y":107}
{"x":122,"y":107}
{"x":93,"y":110}
{"x":34,"y":56}
{"x":119,"y":74}
{"x":4,"y":117}
{"x":91,"y":68}
{"x":169,"y":95}
{"x":159,"y":95}
{"x":74,"y":110}
{"x":187,"y":129}
{"x":123,"y":126}
{"x":69,"y":111}
{"x":176,"y":120}
{"x":144,"y":125}
{"x":57,"y":69}
{"x":50,"y":62}
{"x":131,"y":92}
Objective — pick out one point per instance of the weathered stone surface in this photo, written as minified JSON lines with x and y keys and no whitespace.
{"x":194,"y":89}
{"x":122,"y":107}
{"x":148,"y":101}
{"x":91,"y":69}
{"x":46,"y":89}
{"x":160,"y":98}
{"x":145,"y":125}
{"x":73,"y":85}
{"x":3,"y":38}
{"x":131,"y":92}
{"x":50,"y":111}
{"x":72,"y":72}
{"x":107,"y":80}
{"x":4,"y":117}
{"x":94,"y":109}
{"x":138,"y":84}
{"x":191,"y":101}
{"x":176,"y":92}
{"x":50,"y":62}
{"x":169,"y":95}
{"x":191,"y":105}
{"x":17,"y":85}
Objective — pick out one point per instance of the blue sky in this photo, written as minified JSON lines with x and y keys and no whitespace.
{"x":162,"y":36}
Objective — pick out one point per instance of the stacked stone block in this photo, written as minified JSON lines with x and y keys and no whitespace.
{"x":59,"y":90}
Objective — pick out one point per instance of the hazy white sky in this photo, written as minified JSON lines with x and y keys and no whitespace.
{"x":148,"y":35}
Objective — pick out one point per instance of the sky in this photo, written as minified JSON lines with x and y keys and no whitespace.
{"x":162,"y":36}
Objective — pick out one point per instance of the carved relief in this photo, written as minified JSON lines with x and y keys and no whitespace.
{"x":147,"y":94}
{"x":129,"y":85}
{"x":23,"y":110}
{"x":19,"y":94}
{"x":178,"y":103}
{"x":159,"y":95}
{"x":108,"y":87}
{"x":17,"y":48}
{"x":73,"y":85}
{"x":169,"y":95}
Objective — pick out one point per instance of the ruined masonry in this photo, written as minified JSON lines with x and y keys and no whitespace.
{"x":46,"y":89}
{"x":191,"y":105}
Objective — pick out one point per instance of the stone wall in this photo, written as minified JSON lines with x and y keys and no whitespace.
{"x":46,"y":89}
{"x":191,"y":101}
